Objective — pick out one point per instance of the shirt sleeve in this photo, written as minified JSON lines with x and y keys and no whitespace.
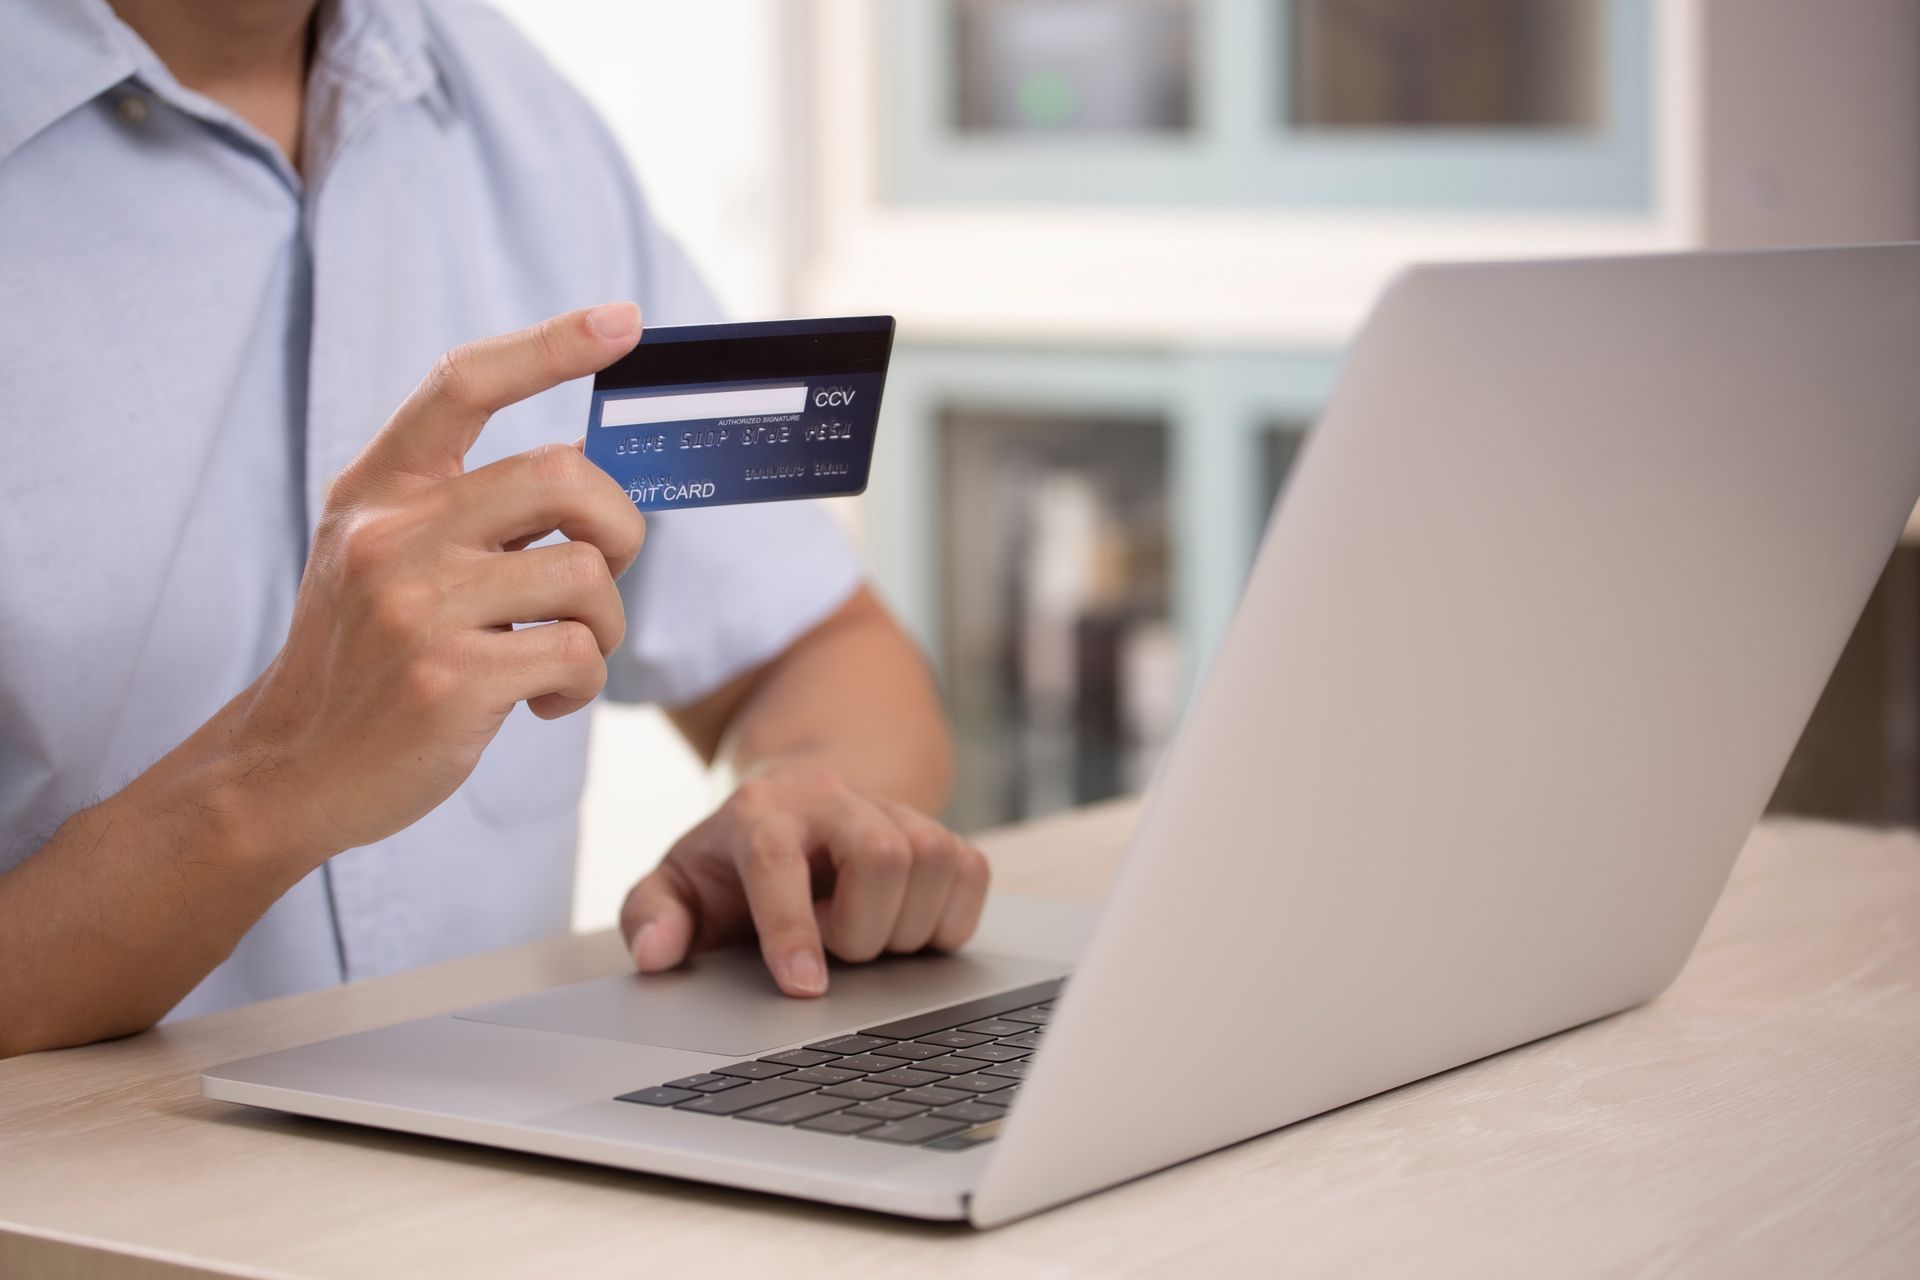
{"x":720,"y":590}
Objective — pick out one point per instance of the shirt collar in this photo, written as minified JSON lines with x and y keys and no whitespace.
{"x":61,"y":54}
{"x":381,"y":43}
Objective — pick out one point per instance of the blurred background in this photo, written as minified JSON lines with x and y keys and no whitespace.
{"x":1127,"y":241}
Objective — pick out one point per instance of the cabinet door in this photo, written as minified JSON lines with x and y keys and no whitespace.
{"x":1423,"y":104}
{"x":1061,"y":662}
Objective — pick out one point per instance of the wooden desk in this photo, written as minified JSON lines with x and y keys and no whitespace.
{"x":1762,"y":1118}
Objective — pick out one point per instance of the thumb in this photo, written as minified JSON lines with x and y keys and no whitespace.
{"x":431,"y":432}
{"x":658,"y":921}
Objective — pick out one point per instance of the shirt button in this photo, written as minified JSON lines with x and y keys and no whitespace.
{"x":132,"y":108}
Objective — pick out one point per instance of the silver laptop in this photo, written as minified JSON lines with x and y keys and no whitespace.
{"x":1550,"y":597}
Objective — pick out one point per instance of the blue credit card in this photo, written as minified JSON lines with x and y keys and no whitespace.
{"x":714,"y":414}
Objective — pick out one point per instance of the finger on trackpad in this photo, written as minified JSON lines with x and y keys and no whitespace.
{"x":725,"y":1002}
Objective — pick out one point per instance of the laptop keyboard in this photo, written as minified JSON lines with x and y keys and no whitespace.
{"x":941,"y":1080}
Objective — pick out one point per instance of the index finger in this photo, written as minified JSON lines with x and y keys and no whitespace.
{"x":433,"y":429}
{"x":779,"y":888}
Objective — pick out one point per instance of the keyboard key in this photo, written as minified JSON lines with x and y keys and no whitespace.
{"x":958,"y":1142}
{"x":947,"y":1066}
{"x":907,"y":1077}
{"x":851,"y":1044}
{"x":862,"y":1090}
{"x":753,"y":1070}
{"x":1031,"y":1040}
{"x":794,"y":1110}
{"x":911,"y":1133}
{"x":705,"y":1082}
{"x":934,"y":1095}
{"x":971,"y":1138}
{"x":971,"y":1112}
{"x":1011,"y":1070}
{"x":955,"y":1039}
{"x":953,"y":1015}
{"x":909,"y":1050}
{"x":838,"y":1122}
{"x":824,"y":1075}
{"x":799,"y":1058}
{"x":1037,"y":1015}
{"x":659,"y":1096}
{"x":977,"y":1083}
{"x":886,"y":1109}
{"x":1005,"y":1097}
{"x":864,"y":1063}
{"x":745,"y":1098}
{"x":997,"y":1027}
{"x":992,"y":1053}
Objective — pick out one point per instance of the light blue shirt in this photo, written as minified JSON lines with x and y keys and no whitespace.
{"x":194,"y":339}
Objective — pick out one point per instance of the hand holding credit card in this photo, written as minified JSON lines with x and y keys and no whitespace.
{"x":712,"y":415}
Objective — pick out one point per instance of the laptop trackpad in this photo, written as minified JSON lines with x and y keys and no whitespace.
{"x":724,"y":1002}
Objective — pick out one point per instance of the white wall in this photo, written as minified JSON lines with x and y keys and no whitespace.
{"x":693,"y":91}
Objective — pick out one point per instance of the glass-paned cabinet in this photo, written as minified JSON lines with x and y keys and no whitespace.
{"x":1067,"y":523}
{"x":1063,"y":513}
{"x":1535,"y":104}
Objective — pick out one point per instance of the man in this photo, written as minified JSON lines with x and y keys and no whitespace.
{"x":267,"y":719}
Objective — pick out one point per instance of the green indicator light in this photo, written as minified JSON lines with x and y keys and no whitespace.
{"x":1047,"y":97}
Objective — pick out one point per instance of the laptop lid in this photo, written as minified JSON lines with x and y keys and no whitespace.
{"x":1551,"y":595}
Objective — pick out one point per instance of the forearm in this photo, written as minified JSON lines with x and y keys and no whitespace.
{"x":134,"y":900}
{"x":854,"y":696}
